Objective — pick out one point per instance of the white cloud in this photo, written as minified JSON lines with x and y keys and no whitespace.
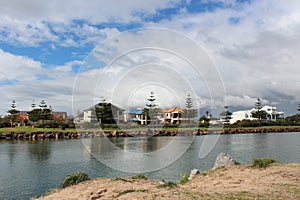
{"x":24,"y":80}
{"x":33,"y":22}
{"x":258,"y":54}
{"x":254,"y":45}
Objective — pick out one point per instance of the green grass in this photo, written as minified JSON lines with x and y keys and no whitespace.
{"x":262,"y":162}
{"x":74,"y":179}
{"x":33,"y":130}
{"x":184,"y":178}
{"x":139,"y":176}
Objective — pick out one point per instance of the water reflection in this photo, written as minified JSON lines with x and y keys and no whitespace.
{"x":39,"y":150}
{"x":12,"y":151}
{"x":138,"y":154}
{"x":31,"y":168}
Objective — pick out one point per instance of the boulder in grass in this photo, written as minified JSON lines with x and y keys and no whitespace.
{"x":223,"y":159}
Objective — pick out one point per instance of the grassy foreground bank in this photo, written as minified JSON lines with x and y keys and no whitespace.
{"x":279,"y":181}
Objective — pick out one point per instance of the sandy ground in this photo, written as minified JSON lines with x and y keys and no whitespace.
{"x":279,"y":181}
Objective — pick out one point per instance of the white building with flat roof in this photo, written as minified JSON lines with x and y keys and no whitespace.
{"x":272,"y":114}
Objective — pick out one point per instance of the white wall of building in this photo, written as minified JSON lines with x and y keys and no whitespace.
{"x":272,"y":114}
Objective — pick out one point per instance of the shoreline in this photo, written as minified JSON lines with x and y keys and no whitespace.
{"x":13,"y":135}
{"x":278,"y":181}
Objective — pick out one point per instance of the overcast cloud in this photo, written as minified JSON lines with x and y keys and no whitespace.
{"x":253,"y":44}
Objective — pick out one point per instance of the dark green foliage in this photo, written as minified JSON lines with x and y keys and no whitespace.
{"x":14,"y":113}
{"x":260,"y":114}
{"x":204,"y":121}
{"x":42,"y":113}
{"x":74,"y":179}
{"x":293,"y":120}
{"x":151,"y":101}
{"x":226,"y":114}
{"x":151,"y":111}
{"x":139,"y":176}
{"x":34,"y":115}
{"x":103,"y":112}
{"x":262,"y":162}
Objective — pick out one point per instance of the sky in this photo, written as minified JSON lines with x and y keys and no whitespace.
{"x":69,"y":53}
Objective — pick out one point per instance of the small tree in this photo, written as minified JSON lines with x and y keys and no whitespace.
{"x":189,"y":112}
{"x":104,"y":113}
{"x":151,"y":110}
{"x":258,"y":113}
{"x":226,"y":114}
{"x":298,"y":107}
{"x":13,"y":112}
{"x":34,"y":114}
{"x":46,"y":113}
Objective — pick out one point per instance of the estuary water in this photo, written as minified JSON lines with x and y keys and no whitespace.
{"x":31,"y":168}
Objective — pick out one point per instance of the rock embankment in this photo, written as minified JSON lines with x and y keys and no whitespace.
{"x":146,"y":133}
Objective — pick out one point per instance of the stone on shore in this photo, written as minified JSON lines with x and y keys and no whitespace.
{"x":223,"y":159}
{"x":193,"y":173}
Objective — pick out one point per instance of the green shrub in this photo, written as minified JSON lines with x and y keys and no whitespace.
{"x":204,"y":173}
{"x":139,"y":176}
{"x":74,"y":179}
{"x":262,"y":162}
{"x":184,"y":178}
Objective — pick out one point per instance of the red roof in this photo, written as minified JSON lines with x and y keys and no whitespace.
{"x":174,"y":109}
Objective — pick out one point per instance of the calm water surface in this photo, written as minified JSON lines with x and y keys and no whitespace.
{"x":31,"y":168}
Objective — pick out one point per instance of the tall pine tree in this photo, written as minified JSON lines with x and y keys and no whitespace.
{"x":258,"y":113}
{"x":189,"y":112}
{"x":14,"y":113}
{"x":151,"y":110}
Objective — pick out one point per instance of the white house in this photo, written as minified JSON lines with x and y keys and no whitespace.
{"x":136,"y":115}
{"x":87,"y":115}
{"x":272,"y":114}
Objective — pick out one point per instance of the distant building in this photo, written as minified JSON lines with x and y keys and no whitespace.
{"x":59,"y":116}
{"x":22,"y":118}
{"x":88,"y":115}
{"x":136,"y":115}
{"x":173,"y":115}
{"x":115,"y":112}
{"x":272,"y":114}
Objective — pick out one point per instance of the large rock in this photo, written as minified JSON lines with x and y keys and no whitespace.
{"x":223,"y":159}
{"x":193,"y":173}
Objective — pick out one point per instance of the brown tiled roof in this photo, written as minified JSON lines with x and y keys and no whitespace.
{"x":174,"y":109}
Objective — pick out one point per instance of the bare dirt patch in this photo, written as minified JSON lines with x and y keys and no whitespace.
{"x":279,"y":181}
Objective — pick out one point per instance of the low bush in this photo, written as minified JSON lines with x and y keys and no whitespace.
{"x":74,"y":179}
{"x":139,"y":176}
{"x":262,"y":162}
{"x":184,"y":178}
